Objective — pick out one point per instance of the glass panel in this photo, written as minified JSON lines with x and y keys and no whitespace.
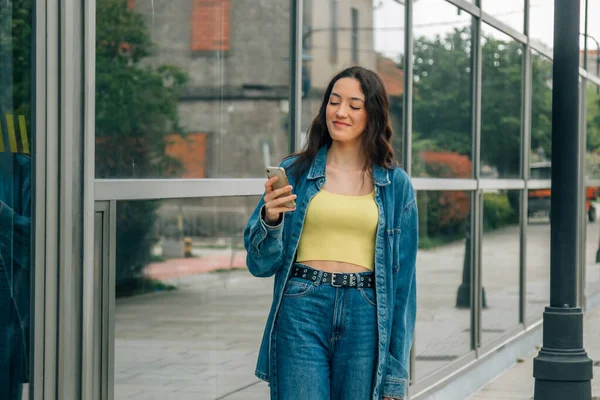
{"x":16,"y":113}
{"x":189,"y":317}
{"x":443,"y":278}
{"x":541,"y":117}
{"x":442,"y":91}
{"x":511,"y":12}
{"x":541,"y":22}
{"x":175,"y":95}
{"x":538,"y":255}
{"x":500,"y":262}
{"x":592,"y":162}
{"x":593,"y":36}
{"x":357,"y":33}
{"x":538,"y":200}
{"x":500,"y":105}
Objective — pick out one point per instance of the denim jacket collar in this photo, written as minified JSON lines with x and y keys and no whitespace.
{"x":317,"y":169}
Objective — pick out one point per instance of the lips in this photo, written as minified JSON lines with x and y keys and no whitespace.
{"x":338,"y":123}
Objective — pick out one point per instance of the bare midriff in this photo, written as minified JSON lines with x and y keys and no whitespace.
{"x":335,"y":266}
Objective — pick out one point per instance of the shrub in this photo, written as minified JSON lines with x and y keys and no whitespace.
{"x":497,"y":211}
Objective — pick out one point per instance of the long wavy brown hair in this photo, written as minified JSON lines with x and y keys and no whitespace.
{"x":377,"y":137}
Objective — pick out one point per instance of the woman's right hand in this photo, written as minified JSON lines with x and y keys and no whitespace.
{"x":273,"y":203}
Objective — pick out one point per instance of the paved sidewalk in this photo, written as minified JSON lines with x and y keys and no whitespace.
{"x":517,"y":383}
{"x":201,"y":341}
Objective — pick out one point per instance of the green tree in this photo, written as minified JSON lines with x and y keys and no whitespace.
{"x":442,"y":106}
{"x":501,"y":105}
{"x":136,"y":109}
{"x":15,"y":58}
{"x":442,"y":95}
{"x":541,"y":105}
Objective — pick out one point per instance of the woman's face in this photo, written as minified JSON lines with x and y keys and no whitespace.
{"x":346,"y":114}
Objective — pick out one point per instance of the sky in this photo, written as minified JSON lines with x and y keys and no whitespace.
{"x":432,"y":17}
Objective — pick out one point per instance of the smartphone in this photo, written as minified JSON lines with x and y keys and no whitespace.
{"x":281,"y":182}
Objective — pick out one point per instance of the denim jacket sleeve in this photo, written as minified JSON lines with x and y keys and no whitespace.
{"x":403,"y":325}
{"x":263,"y":243}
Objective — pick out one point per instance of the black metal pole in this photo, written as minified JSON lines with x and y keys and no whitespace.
{"x":562,"y":369}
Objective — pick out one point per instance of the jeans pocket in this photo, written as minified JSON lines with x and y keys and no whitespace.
{"x":297,"y":288}
{"x":369,"y":295}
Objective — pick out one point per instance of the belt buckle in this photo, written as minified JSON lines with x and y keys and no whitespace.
{"x":333,"y":275}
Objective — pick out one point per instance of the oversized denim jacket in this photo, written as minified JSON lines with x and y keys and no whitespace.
{"x":272,"y":251}
{"x":15,"y":242}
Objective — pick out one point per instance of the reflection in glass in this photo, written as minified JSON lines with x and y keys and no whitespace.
{"x":541,"y":114}
{"x":500,"y":105}
{"x":175,"y":95}
{"x":511,"y":12}
{"x":592,"y":263}
{"x":443,"y":320}
{"x":189,"y":316}
{"x":359,"y":33}
{"x":500,"y":262}
{"x":541,"y":22}
{"x":442,"y":102}
{"x":593,"y":36}
{"x":15,"y":195}
{"x":592,"y":171}
{"x":538,"y":260}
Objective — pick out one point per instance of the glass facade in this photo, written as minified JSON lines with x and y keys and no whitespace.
{"x":442,"y":138}
{"x":16,"y":191}
{"x":133,"y":153}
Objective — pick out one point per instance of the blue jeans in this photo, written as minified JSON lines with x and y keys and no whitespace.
{"x":10,"y":346}
{"x":326,"y":342}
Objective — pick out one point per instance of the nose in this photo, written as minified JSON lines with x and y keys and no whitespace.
{"x":341,"y":112}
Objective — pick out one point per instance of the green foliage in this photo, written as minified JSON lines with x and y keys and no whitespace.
{"x":15,"y":65}
{"x":442,"y":96}
{"x":497,"y":211}
{"x":501,"y":106}
{"x":443,"y":217}
{"x":442,"y":106}
{"x":541,"y":106}
{"x":136,"y":104}
{"x":593,"y":119}
{"x":136,"y":109}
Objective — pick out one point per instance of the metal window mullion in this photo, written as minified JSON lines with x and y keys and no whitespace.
{"x":407,"y":132}
{"x":91,"y":379}
{"x":526,"y":19}
{"x":476,"y":214}
{"x":526,"y":101}
{"x":109,"y":309}
{"x":66,"y":341}
{"x":36,"y":387}
{"x":467,"y":6}
{"x":295,"y":116}
{"x":51,"y":134}
{"x":582,"y":132}
{"x":408,"y":88}
{"x":71,"y":205}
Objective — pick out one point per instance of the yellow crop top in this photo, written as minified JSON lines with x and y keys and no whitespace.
{"x":340,"y":228}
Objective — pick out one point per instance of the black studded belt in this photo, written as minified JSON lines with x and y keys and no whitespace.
{"x":336,"y":279}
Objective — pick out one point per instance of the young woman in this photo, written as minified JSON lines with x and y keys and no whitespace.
{"x":344,"y":304}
